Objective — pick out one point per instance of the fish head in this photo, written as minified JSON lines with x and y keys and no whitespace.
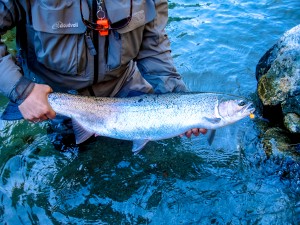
{"x":232,"y":110}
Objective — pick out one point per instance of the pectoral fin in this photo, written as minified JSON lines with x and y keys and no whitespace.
{"x":213,"y":120}
{"x":11,"y":112}
{"x":211,"y":137}
{"x":81,"y":134}
{"x":138,"y":145}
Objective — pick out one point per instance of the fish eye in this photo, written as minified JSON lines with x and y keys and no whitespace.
{"x":242,"y":103}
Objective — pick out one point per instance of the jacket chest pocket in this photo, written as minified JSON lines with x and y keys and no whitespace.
{"x":59,"y":40}
{"x":123,"y":47}
{"x":125,"y":43}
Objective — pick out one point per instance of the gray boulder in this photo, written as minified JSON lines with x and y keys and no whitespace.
{"x":278,"y":75}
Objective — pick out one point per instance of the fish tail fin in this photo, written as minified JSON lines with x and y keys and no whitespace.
{"x":12,"y":112}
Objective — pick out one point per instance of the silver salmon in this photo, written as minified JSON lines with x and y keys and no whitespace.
{"x":148,"y":117}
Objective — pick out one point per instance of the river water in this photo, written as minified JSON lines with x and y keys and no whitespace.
{"x":216,"y":46}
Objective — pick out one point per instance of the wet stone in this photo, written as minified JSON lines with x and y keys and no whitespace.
{"x":278,"y":74}
{"x":278,"y":89}
{"x":276,"y":139}
{"x":292,"y":122}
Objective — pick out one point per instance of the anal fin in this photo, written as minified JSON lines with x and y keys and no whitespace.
{"x":138,"y":145}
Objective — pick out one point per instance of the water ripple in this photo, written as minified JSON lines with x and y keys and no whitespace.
{"x":216,"y":46}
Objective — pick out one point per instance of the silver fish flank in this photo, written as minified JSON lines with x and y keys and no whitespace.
{"x":148,"y":117}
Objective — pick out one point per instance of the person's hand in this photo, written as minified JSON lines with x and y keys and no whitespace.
{"x":194,"y":131}
{"x":35,"y":107}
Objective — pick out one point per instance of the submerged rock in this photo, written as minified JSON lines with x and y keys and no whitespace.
{"x":278,"y":75}
{"x":282,"y":80}
{"x":292,"y":121}
{"x":275,"y":139}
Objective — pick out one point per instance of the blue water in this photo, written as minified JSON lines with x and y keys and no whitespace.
{"x":216,"y":46}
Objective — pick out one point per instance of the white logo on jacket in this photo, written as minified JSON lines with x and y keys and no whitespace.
{"x":61,"y":25}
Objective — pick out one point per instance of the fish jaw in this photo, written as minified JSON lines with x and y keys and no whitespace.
{"x":234,"y":110}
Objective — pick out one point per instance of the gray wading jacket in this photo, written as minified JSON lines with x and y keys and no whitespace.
{"x":54,"y":47}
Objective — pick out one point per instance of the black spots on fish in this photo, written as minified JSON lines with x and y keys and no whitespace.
{"x":155,"y":98}
{"x":139,"y":101}
{"x":147,"y":99}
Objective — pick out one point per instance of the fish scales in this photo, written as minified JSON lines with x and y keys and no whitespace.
{"x":149,"y":117}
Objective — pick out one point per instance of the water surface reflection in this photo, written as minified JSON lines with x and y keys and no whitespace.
{"x":216,"y":46}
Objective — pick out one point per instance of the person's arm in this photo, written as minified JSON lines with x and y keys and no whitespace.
{"x":13,"y":84}
{"x":154,"y":60}
{"x":31,"y":98}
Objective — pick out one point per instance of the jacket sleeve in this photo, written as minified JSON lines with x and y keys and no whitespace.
{"x":154,"y":60}
{"x":12,"y":84}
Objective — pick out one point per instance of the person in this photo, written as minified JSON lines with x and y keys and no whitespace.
{"x":88,"y":47}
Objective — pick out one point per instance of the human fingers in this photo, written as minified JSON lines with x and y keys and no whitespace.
{"x":37,"y":119}
{"x":194,"y":131}
{"x":36,"y":107}
{"x":46,"y":113}
{"x":203,"y":131}
{"x":50,"y":113}
{"x":189,"y":133}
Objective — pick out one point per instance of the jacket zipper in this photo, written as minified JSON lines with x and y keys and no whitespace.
{"x":95,"y":39}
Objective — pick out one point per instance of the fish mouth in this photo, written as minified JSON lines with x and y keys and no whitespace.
{"x":236,"y":107}
{"x":249,"y":108}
